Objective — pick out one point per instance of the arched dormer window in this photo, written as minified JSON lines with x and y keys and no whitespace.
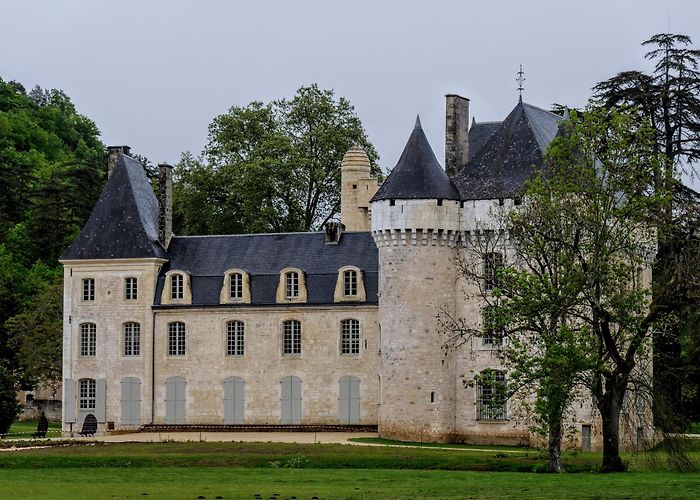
{"x":292,"y":286}
{"x":235,"y":288}
{"x":350,"y":286}
{"x":177,"y":288}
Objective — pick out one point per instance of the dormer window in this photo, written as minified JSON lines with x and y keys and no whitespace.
{"x":236,"y":286}
{"x":349,"y":286}
{"x":292,"y":286}
{"x":177,"y":286}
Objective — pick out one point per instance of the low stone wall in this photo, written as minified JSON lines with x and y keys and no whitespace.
{"x":50,"y":407}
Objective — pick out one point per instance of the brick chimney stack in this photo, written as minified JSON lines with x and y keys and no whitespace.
{"x":456,"y":133}
{"x":113,"y":153}
{"x":165,"y":202}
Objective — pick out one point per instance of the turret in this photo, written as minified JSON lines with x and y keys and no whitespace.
{"x":357,"y":187}
{"x":415,"y":224}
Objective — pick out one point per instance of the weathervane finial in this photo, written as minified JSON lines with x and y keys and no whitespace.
{"x":521,"y":81}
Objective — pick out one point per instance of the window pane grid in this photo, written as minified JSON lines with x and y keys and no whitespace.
{"x":88,"y":339}
{"x":235,"y":338}
{"x":350,"y":281}
{"x":89,"y":289}
{"x":350,"y":336}
{"x":492,"y":263}
{"x":176,"y":339}
{"x":177,"y":288}
{"x":292,"y":337}
{"x":131,"y":288}
{"x":87,"y":394}
{"x":491,"y":403}
{"x":491,"y":335}
{"x":132,"y":339}
{"x":292,"y":284}
{"x":236,"y":286}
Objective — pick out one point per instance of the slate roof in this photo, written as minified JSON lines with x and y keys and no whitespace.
{"x":124,"y":222}
{"x":263,"y":256}
{"x":417,"y":175}
{"x":501,"y":166}
{"x":479,"y":133}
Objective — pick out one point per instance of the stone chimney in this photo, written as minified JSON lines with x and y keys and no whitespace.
{"x":456,"y":133}
{"x":165,"y":202}
{"x":113,"y":153}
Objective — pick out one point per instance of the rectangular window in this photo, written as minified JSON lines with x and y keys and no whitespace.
{"x":236,"y":285}
{"x":491,"y":334}
{"x":292,"y":337}
{"x":350,"y":283}
{"x":177,"y":286}
{"x":491,"y":396}
{"x":176,"y":339}
{"x":235,"y":338}
{"x":350,"y":336}
{"x":132,"y":339}
{"x":88,"y":339}
{"x":89,"y":289}
{"x":131,"y":289}
{"x":292,"y":284}
{"x":493,"y":262}
{"x":87,"y":394}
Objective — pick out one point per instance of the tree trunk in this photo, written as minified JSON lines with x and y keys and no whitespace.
{"x":610,"y":406}
{"x":556,"y":434}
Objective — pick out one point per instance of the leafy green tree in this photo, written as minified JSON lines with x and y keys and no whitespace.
{"x":269,"y":167}
{"x":9,"y":409}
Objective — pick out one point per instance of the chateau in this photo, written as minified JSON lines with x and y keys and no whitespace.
{"x":328,"y":328}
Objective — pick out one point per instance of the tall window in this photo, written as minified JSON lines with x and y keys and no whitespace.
{"x":177,"y":286}
{"x":236,"y":286}
{"x":235,"y":338}
{"x":89,"y":289}
{"x":491,"y":334}
{"x":350,"y":283}
{"x":132,"y":339}
{"x":292,"y":337}
{"x":87,"y":394}
{"x":492,"y":263}
{"x":291,"y":282}
{"x":131,"y":288}
{"x":88,"y":339}
{"x":350,"y":336}
{"x":491,"y":395}
{"x":176,"y":339}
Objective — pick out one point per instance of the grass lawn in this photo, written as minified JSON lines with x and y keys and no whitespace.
{"x":695,"y":428}
{"x":28,"y":427}
{"x":243,"y":470}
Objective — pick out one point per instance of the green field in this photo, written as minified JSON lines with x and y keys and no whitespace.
{"x":243,"y":470}
{"x":27,"y":428}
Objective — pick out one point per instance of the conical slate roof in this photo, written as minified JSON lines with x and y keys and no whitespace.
{"x":501,"y":166}
{"x":417,"y":175}
{"x":124,"y":222}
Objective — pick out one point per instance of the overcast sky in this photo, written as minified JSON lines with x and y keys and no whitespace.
{"x":153,"y":74}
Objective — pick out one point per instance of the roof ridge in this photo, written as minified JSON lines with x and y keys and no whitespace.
{"x":540,"y":109}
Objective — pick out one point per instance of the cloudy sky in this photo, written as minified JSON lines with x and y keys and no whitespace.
{"x":153,"y":74}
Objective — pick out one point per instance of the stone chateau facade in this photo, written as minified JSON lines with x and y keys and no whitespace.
{"x":336,"y":327}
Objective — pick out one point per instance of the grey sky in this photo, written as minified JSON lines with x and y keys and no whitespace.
{"x":153,"y":74}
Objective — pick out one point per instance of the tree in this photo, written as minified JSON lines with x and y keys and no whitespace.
{"x":269,"y":167}
{"x":9,"y":409}
{"x":669,"y":98}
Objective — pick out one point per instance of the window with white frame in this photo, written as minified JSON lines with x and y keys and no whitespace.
{"x":235,"y":286}
{"x":177,"y":286}
{"x":491,"y":395}
{"x":291,"y":337}
{"x":176,"y":338}
{"x":88,"y":339}
{"x":132,"y":339}
{"x":89,"y":289}
{"x":131,"y":289}
{"x":491,"y":334}
{"x":349,"y":336}
{"x":235,"y":338}
{"x":291,"y":285}
{"x":493,"y":262}
{"x":350,"y":283}
{"x":86,"y":400}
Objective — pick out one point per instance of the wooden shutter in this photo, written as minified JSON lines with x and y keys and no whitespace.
{"x":69,"y":400}
{"x":344,"y":400}
{"x":286,"y":401}
{"x":180,"y":401}
{"x":354,"y":400}
{"x":234,"y":400}
{"x":101,"y":399}
{"x":296,"y":400}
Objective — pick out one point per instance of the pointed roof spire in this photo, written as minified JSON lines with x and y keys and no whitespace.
{"x":417,"y":175}
{"x":418,"y":125}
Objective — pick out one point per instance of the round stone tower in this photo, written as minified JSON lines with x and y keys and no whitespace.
{"x":415,"y":224}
